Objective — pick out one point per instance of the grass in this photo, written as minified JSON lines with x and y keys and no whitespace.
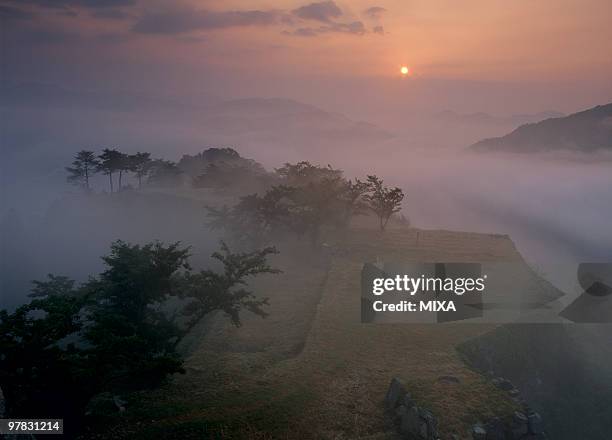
{"x":311,"y":370}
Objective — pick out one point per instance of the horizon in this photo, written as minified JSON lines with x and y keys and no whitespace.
{"x":341,"y":56}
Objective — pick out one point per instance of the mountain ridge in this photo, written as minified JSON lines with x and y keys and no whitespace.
{"x":585,"y":131}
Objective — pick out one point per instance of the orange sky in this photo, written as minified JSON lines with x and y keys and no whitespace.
{"x":478,"y":39}
{"x":281,"y":47}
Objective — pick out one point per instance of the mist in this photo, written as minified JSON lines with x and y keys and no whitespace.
{"x":554,"y":206}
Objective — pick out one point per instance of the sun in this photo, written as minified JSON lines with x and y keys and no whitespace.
{"x":404,"y":70}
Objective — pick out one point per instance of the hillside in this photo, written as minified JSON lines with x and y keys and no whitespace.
{"x":312,"y":370}
{"x":481,"y":118}
{"x":587,"y":131}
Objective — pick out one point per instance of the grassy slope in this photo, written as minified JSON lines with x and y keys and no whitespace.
{"x":311,"y":369}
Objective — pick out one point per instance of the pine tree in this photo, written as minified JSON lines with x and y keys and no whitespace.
{"x":110,"y":162}
{"x":83,"y":167}
{"x":140,"y":165}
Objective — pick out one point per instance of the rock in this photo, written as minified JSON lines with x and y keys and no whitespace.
{"x":394,"y":393}
{"x":495,"y":429}
{"x":419,"y":423}
{"x":400,"y":411}
{"x":407,"y":401}
{"x":519,"y":425}
{"x":479,"y":433}
{"x":503,"y":384}
{"x":431,"y":424}
{"x":535,"y":423}
{"x":514,"y":392}
{"x":423,"y":431}
{"x":409,"y":424}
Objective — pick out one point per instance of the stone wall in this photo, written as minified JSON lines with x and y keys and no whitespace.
{"x":417,"y":423}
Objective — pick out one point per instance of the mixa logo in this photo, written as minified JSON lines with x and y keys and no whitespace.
{"x":437,"y":306}
{"x":415,"y":306}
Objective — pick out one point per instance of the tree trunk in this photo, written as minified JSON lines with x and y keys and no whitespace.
{"x":86,"y":178}
{"x":110,"y":177}
{"x":120,"y":174}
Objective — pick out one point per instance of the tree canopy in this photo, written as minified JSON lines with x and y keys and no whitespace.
{"x":384,"y":201}
{"x":306,"y":199}
{"x":85,"y":164}
{"x":116,"y":331}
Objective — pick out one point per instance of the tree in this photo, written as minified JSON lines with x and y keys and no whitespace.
{"x":384,"y":201}
{"x":314,"y":205}
{"x":124,"y":165}
{"x":209,"y":290}
{"x":164,"y":173}
{"x":139,"y":164}
{"x":353,"y":201}
{"x":114,"y":332}
{"x":253,"y":220}
{"x":84,"y":165}
{"x":132,"y":336}
{"x":42,"y":373}
{"x":303,"y":173}
{"x":110,"y":161}
{"x":303,"y":210}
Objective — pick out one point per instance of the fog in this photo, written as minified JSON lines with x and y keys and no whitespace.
{"x":555,"y":207}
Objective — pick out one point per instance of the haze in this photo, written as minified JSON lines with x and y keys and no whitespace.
{"x":161,"y":77}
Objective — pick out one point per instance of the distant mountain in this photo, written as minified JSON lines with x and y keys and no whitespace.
{"x":586,"y":131}
{"x":156,"y":124}
{"x":276,"y":118}
{"x":526,"y":118}
{"x":481,"y":118}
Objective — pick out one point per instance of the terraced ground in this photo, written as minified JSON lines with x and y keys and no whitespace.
{"x":311,"y":370}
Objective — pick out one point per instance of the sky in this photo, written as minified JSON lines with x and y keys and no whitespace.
{"x":475,"y":55}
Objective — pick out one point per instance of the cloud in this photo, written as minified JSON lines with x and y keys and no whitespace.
{"x":354,"y":28}
{"x":302,"y":32}
{"x":112,"y":14}
{"x":374,"y":12}
{"x":187,"y":19}
{"x":321,"y":11}
{"x":327,"y":13}
{"x":378,"y":30}
{"x":8,"y":13}
{"x":94,"y":4}
{"x":43,"y":36}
